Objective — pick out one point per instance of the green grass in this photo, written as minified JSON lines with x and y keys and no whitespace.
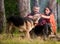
{"x":16,"y":40}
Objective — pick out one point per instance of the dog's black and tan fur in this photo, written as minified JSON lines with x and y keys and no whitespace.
{"x":23,"y":24}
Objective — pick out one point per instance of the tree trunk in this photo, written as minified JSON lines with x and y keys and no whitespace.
{"x":52,"y":5}
{"x":2,"y":15}
{"x":24,"y":7}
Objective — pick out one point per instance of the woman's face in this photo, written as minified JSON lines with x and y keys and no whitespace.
{"x":47,"y":11}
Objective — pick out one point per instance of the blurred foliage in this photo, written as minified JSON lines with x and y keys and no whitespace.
{"x":11,"y":7}
{"x":58,"y":1}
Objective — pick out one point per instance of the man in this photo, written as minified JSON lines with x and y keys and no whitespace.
{"x":35,"y":14}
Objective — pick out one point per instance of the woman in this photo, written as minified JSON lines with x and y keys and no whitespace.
{"x":49,"y":17}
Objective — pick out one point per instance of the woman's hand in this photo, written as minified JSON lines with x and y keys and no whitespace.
{"x":44,"y":16}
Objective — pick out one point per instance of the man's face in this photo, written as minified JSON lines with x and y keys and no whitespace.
{"x":36,"y":9}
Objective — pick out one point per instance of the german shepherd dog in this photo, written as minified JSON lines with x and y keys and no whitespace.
{"x":23,"y":24}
